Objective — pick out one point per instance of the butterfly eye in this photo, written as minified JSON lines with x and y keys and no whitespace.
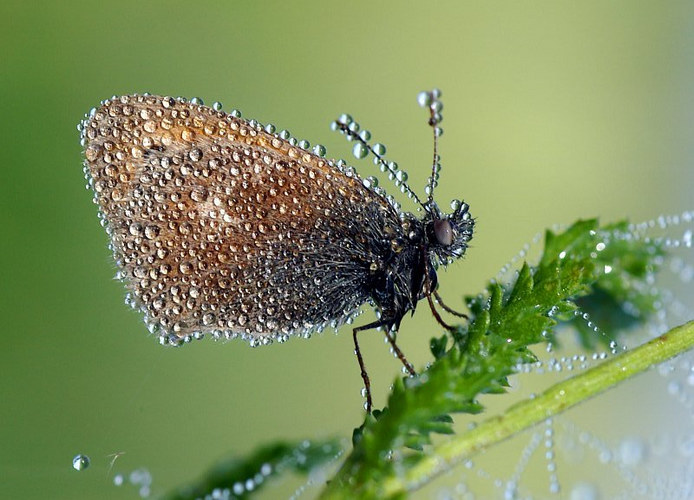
{"x":443,"y":232}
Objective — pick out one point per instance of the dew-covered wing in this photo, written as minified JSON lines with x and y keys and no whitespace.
{"x":218,"y":226}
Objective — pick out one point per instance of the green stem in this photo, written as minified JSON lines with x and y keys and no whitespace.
{"x":528,"y":413}
{"x":553,"y":401}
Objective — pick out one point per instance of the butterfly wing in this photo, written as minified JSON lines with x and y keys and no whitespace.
{"x":218,"y":226}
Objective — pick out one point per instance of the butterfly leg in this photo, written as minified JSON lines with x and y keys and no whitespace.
{"x":448,"y":309}
{"x":364,"y":375}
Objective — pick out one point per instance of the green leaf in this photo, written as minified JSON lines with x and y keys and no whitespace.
{"x":259,"y":468}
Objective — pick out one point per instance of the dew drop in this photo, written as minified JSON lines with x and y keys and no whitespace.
{"x":345,"y":119}
{"x":80,"y":462}
{"x":674,"y":387}
{"x":360,"y":151}
{"x":135,"y":229}
{"x":195,"y":154}
{"x":237,"y":488}
{"x":605,"y":456}
{"x":424,"y":99}
{"x":370,"y":182}
{"x":186,"y":134}
{"x":632,"y":451}
{"x":151,"y":232}
{"x":584,"y":491}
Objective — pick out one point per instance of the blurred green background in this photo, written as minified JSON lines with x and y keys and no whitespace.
{"x":553,"y":111}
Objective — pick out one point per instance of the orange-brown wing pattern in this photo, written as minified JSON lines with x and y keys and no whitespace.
{"x":218,"y":226}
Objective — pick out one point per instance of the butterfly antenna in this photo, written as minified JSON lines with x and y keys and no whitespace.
{"x":363,"y":147}
{"x":432,"y":100}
